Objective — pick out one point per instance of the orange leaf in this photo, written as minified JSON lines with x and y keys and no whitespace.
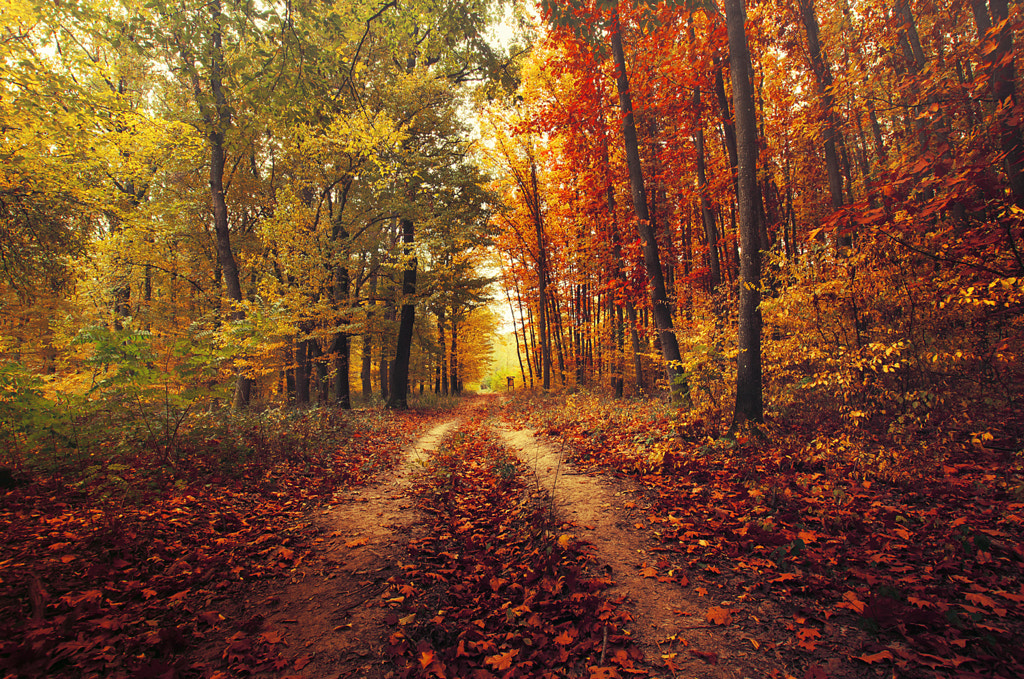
{"x":356,"y":543}
{"x":875,"y":657}
{"x":426,"y":657}
{"x":807,"y":638}
{"x":502,"y":661}
{"x":719,"y":616}
{"x":851,"y":602}
{"x":272,"y":637}
{"x":564,"y":639}
{"x":981,"y":600}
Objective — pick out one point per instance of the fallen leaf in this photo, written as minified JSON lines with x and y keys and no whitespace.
{"x":272,"y":637}
{"x":807,"y":638}
{"x":815,"y":672}
{"x":501,"y":661}
{"x":875,"y":657}
{"x":707,"y":656}
{"x":719,"y":616}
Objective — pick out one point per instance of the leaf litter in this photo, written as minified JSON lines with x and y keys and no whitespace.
{"x":492,"y":553}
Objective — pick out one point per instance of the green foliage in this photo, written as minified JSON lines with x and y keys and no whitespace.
{"x":28,"y":420}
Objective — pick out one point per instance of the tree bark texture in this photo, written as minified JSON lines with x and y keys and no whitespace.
{"x":397,"y":400}
{"x":749,"y":398}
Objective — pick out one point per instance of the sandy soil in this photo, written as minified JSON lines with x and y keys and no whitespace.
{"x":331,"y":612}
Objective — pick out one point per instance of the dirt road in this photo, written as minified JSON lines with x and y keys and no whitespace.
{"x":332,"y":616}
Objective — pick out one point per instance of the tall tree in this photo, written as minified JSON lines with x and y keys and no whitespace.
{"x":397,"y":398}
{"x":749,"y":394}
{"x":660,"y":304}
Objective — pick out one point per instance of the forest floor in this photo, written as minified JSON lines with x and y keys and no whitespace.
{"x":499,"y":540}
{"x":349,"y":611}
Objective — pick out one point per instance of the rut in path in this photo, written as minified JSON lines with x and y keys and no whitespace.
{"x":331,"y":612}
{"x":667,"y":621}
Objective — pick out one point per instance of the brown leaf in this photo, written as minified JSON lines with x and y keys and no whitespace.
{"x":719,"y":616}
{"x":709,"y":657}
{"x":272,"y":637}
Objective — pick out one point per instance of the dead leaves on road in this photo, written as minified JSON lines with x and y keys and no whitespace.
{"x":498,"y":590}
{"x":98,"y":585}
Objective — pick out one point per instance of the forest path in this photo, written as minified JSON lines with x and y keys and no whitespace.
{"x":333,"y":614}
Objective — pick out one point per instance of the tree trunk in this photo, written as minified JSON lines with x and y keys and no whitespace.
{"x":289,"y":373}
{"x":341,"y":347}
{"x":559,"y":332}
{"x":366,"y":371}
{"x":515,"y":334}
{"x":318,"y":367}
{"x":456,"y":373}
{"x":342,"y":351}
{"x":217,"y":122}
{"x":397,"y":400}
{"x":526,"y":339}
{"x":707,"y":216}
{"x":749,"y":398}
{"x":823,"y":77}
{"x":634,"y":343}
{"x":443,"y":343}
{"x":656,"y":280}
{"x":618,"y":375}
{"x":542,"y":281}
{"x":302,"y":372}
